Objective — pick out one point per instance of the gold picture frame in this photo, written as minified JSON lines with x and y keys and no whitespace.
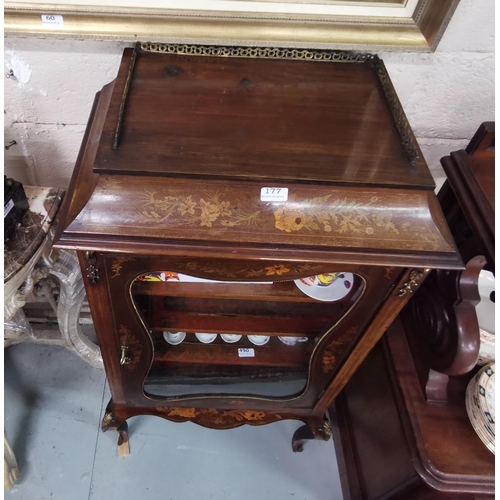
{"x":405,"y":25}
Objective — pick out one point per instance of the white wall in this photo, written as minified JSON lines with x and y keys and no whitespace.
{"x":446,"y":95}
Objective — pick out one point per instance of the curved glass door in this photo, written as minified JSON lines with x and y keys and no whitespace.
{"x":237,"y":338}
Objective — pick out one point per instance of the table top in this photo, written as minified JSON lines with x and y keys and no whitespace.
{"x":449,"y":452}
{"x":44,"y":203}
{"x":324,"y":121}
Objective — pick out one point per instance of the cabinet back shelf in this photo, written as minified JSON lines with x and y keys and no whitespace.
{"x":181,"y":321}
{"x":191,"y":339}
{"x":257,"y":314}
{"x":167,"y":356}
{"x":277,"y":291}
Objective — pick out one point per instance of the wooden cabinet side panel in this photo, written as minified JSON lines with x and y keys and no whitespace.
{"x":101,"y":307}
{"x":84,"y":180}
{"x":370,"y":443}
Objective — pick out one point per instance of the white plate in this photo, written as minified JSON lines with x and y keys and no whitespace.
{"x":291,"y":340}
{"x":487,"y":337}
{"x":230,"y":339}
{"x":206,"y":338}
{"x":485,"y":310}
{"x":258,"y":339}
{"x":176,"y":341}
{"x":486,"y":353}
{"x":337,"y":290}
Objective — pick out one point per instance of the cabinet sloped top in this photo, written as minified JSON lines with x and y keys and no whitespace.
{"x":259,"y":118}
{"x":144,"y":214}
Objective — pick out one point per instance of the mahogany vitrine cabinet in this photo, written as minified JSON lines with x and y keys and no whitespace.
{"x":211,"y":183}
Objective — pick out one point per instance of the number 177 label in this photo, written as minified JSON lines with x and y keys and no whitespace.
{"x":274,"y":194}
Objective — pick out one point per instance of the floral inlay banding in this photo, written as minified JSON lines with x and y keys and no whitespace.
{"x":279,"y":270}
{"x":339,"y":215}
{"x":289,"y":219}
{"x":246,"y":271}
{"x":219,"y":418}
{"x":335,"y":346}
{"x":117,"y":265}
{"x":206,"y":211}
{"x":224,"y":209}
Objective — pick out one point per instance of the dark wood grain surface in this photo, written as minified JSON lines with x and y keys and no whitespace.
{"x":449,"y":448}
{"x":387,"y":221}
{"x":392,"y":444}
{"x":274,"y":355}
{"x":239,"y":118}
{"x":469,"y":194}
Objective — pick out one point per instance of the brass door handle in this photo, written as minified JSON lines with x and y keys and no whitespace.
{"x":125,"y":357}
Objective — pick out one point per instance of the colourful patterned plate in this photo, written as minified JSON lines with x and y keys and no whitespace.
{"x":480,"y":405}
{"x":486,"y":389}
{"x":336,"y":290}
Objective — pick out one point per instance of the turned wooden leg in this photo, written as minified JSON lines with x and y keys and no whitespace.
{"x":320,"y":430}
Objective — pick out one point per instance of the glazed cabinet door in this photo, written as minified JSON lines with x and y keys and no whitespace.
{"x":218,"y":333}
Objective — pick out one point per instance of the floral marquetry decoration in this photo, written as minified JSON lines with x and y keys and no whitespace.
{"x":212,"y":417}
{"x":183,"y":412}
{"x":289,"y":219}
{"x":205,"y":211}
{"x":322,"y":214}
{"x":279,"y":270}
{"x":241,"y":270}
{"x":332,"y":350}
{"x":117,"y":265}
{"x":337,"y":215}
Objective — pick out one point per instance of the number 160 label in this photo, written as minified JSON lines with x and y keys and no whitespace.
{"x":274,"y":194}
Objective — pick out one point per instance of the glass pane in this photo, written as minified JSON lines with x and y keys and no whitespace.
{"x":237,"y":338}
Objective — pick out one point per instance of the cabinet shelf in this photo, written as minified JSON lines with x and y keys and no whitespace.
{"x":277,"y":291}
{"x":188,"y":322}
{"x":189,"y":368}
{"x":157,"y":332}
{"x":168,"y":356}
{"x":226,"y":312}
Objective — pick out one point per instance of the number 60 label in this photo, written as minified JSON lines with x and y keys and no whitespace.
{"x":52,"y":20}
{"x":274,"y":194}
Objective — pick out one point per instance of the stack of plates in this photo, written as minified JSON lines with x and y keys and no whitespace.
{"x":480,"y":404}
{"x":487,"y":347}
